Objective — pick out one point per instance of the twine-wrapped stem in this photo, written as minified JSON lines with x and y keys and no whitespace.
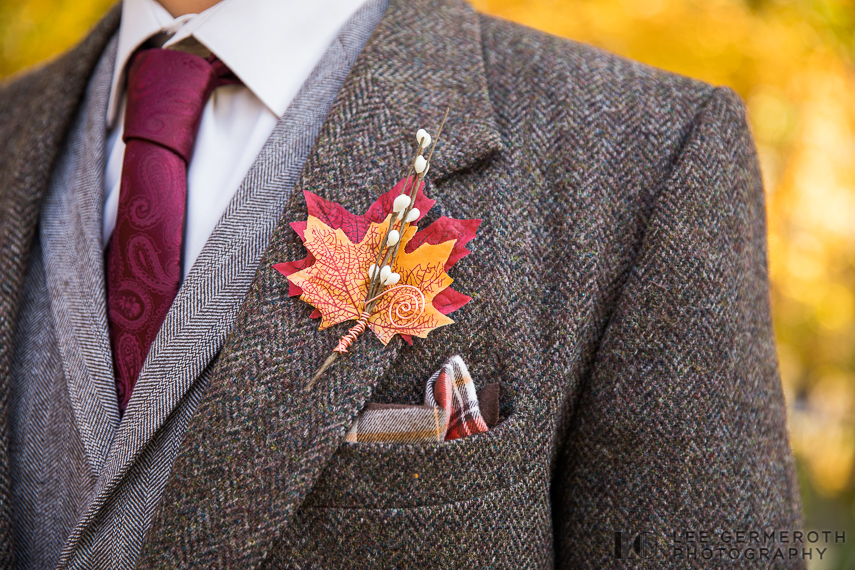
{"x":343,"y":344}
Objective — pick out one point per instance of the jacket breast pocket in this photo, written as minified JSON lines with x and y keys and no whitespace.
{"x":479,"y":501}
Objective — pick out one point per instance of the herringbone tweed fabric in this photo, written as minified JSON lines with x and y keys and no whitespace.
{"x":620,"y":296}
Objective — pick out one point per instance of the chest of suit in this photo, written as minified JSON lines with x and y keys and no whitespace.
{"x":562,"y":168}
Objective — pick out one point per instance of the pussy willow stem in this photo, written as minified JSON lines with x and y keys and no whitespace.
{"x":415,"y":190}
{"x":375,"y":279}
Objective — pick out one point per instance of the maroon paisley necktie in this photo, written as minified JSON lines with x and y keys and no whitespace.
{"x":167,"y":91}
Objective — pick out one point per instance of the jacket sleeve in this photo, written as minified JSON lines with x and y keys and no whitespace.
{"x":681,"y":426}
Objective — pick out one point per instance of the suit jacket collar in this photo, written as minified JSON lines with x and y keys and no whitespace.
{"x":259,"y":442}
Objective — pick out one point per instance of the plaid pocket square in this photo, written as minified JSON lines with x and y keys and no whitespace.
{"x":452,"y":409}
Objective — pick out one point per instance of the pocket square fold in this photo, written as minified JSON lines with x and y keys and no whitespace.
{"x":452,"y":409}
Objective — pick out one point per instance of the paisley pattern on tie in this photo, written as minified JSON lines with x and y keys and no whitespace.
{"x":167,"y":91}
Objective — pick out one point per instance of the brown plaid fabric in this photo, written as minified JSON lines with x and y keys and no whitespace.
{"x":451,"y":411}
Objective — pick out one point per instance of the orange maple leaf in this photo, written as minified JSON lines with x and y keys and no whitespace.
{"x":337,"y":283}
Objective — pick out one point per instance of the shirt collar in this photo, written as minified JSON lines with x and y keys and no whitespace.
{"x":271,"y":45}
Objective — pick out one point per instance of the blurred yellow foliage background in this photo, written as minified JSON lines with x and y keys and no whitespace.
{"x":792,"y":62}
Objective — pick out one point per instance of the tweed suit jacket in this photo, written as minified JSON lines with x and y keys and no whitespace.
{"x":620,"y":298}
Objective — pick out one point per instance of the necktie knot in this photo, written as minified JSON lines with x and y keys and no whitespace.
{"x":167,"y":92}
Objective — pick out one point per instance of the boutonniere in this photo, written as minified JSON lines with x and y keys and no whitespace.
{"x":379,"y":269}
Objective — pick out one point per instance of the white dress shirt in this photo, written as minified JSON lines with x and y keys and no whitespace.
{"x":271,"y":45}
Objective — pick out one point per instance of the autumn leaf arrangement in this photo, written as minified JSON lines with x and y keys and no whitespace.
{"x":379,"y":269}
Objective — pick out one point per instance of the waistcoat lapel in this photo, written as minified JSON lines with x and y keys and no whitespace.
{"x":74,"y":269}
{"x":258,"y":442}
{"x":35,"y":114}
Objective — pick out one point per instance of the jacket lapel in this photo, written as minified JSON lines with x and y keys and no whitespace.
{"x":259,"y":441}
{"x":35,"y":115}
